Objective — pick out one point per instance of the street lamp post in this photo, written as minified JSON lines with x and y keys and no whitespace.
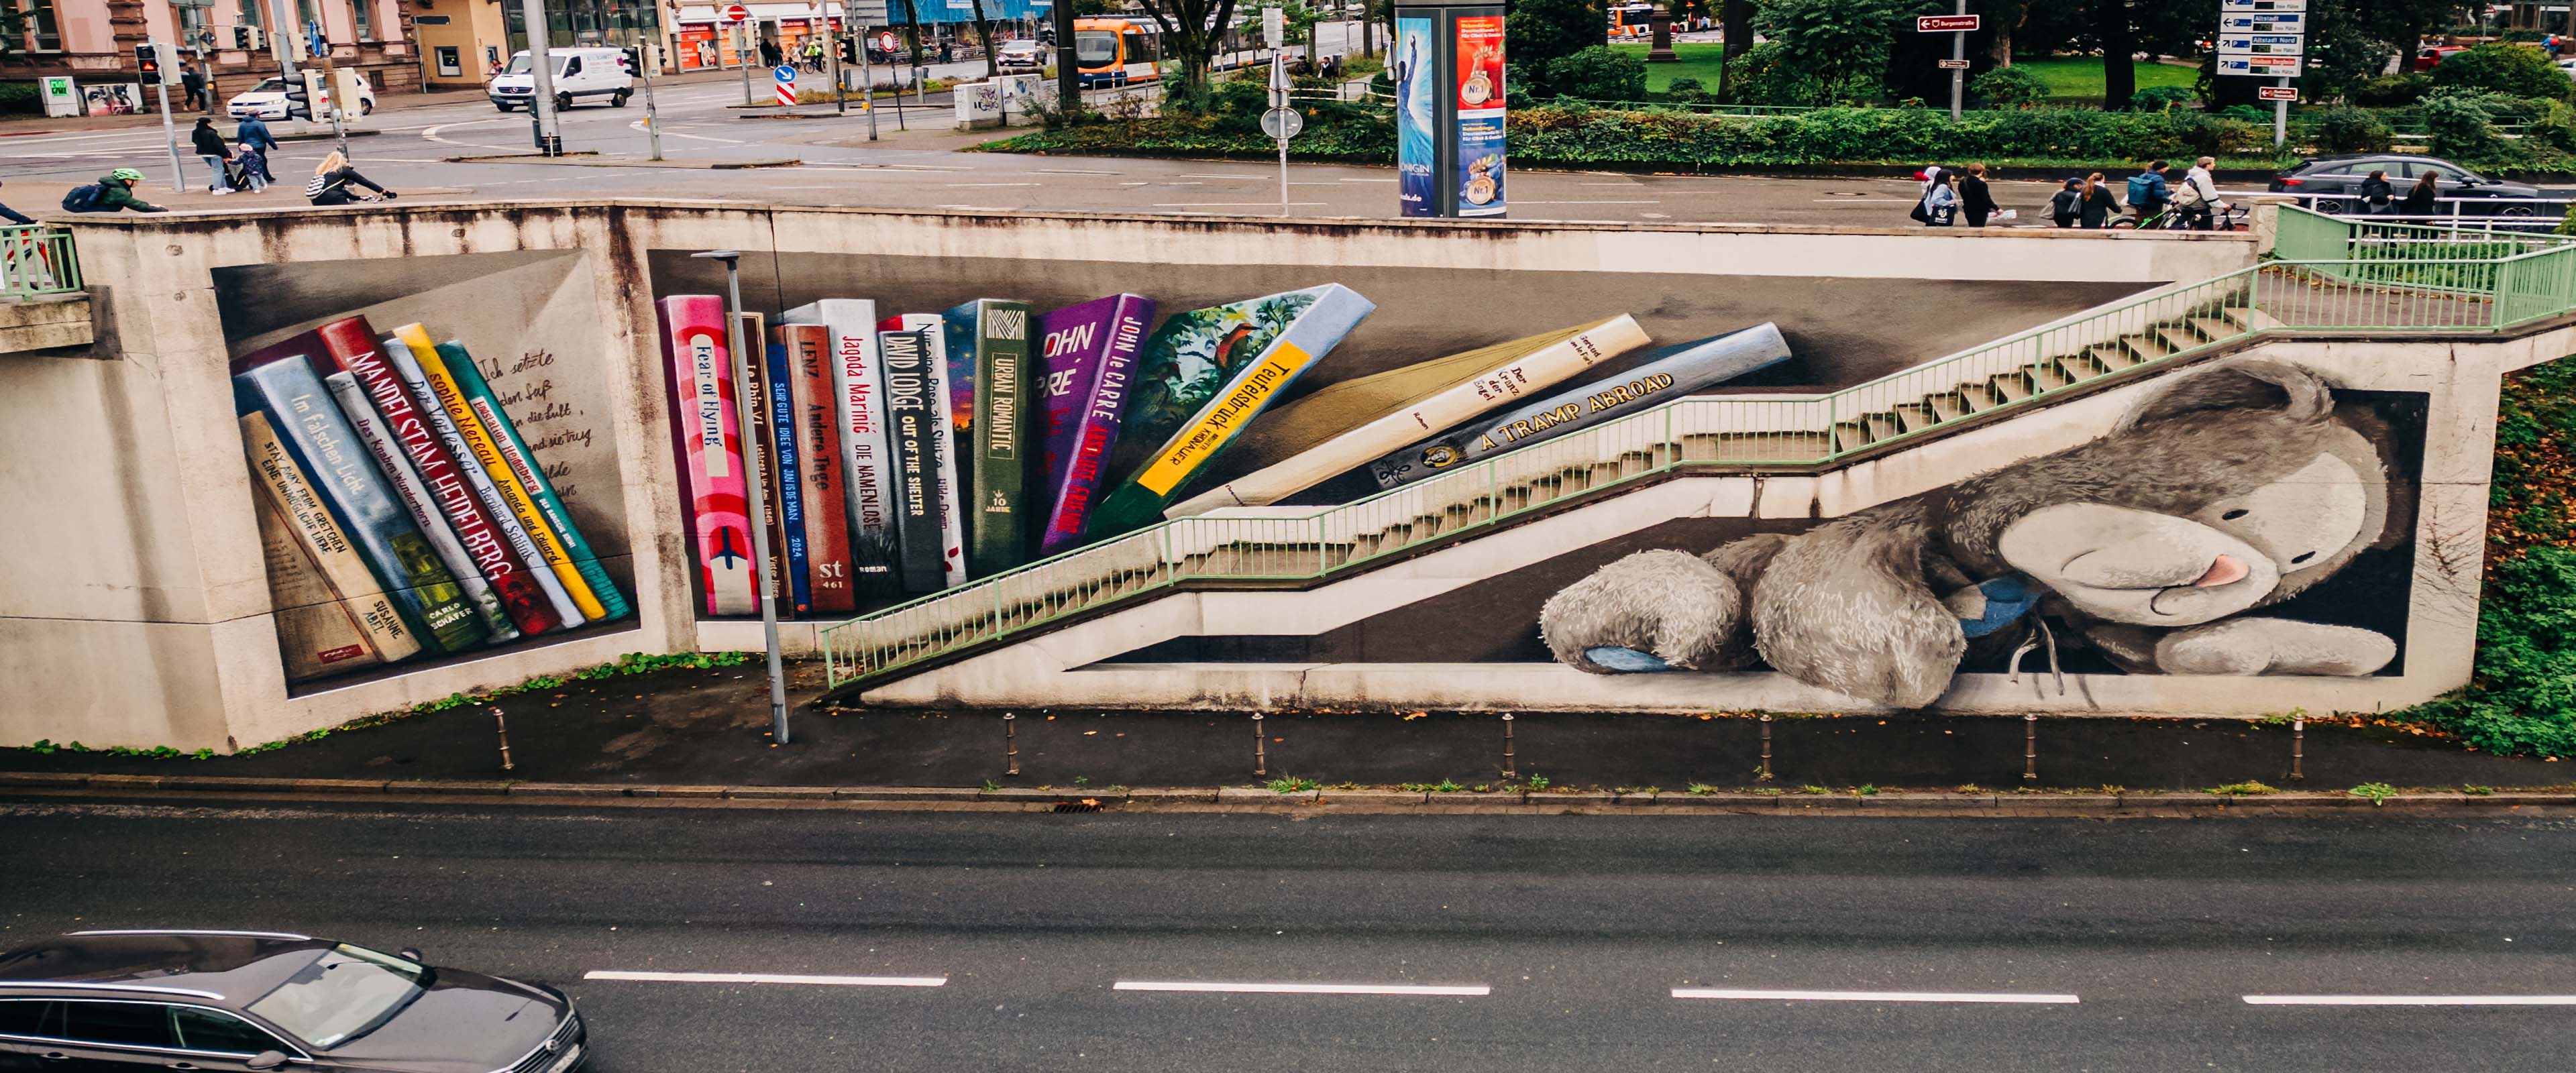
{"x":541,"y":109}
{"x":752,"y":463}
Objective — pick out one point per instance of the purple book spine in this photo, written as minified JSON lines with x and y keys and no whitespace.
{"x":1103,"y":336}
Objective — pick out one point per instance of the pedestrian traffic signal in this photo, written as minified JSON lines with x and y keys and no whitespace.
{"x":299,"y":95}
{"x":153,"y":66}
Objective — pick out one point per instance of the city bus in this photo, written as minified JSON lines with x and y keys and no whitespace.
{"x":1126,"y":51}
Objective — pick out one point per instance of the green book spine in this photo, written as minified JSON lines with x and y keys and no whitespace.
{"x":997,"y":527}
{"x":585,"y":559}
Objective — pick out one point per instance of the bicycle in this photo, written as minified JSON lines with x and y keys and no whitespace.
{"x":2170,"y":218}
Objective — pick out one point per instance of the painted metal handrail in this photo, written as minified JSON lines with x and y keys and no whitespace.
{"x":2018,"y":371}
{"x":37,"y":261}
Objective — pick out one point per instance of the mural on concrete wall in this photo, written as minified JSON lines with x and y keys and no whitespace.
{"x":2167,"y":546}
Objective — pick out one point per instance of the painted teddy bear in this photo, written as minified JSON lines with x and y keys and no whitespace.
{"x":2229,"y":490}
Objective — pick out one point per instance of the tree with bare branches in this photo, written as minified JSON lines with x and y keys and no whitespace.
{"x":1192,"y":30}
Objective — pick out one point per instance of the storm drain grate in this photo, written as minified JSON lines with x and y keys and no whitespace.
{"x":1077,"y":806}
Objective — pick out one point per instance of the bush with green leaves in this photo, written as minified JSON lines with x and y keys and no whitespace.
{"x":2459,"y":128}
{"x":1842,"y":44}
{"x":1767,"y":74}
{"x":2009,"y":87}
{"x":2346,"y":129}
{"x":2554,"y":127}
{"x":1539,"y":32}
{"x":2391,"y":91}
{"x":2519,"y":70}
{"x":2159,"y":98}
{"x":21,"y":98}
{"x":1599,"y":73}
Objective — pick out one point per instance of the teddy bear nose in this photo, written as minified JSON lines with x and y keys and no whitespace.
{"x":2226,"y":569}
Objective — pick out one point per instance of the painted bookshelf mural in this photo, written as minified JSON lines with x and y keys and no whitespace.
{"x":418,"y":497}
{"x":901,"y":451}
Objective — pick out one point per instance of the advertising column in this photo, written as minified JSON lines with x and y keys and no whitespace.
{"x":1479,"y":125}
{"x":1447,"y":67}
{"x":1410,"y":66}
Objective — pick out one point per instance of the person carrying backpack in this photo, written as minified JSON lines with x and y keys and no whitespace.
{"x":112,"y":191}
{"x":2148,"y":191}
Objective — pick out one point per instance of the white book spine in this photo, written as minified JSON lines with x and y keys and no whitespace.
{"x":858,"y":386}
{"x":408,"y":367}
{"x":1504,"y":384}
{"x":952,"y":517}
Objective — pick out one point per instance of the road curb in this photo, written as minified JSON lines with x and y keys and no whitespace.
{"x":1253,"y":798}
{"x":588,"y":160}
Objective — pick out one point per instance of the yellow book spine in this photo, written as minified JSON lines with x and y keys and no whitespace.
{"x":488,"y":455}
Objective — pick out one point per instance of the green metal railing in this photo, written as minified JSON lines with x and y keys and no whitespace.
{"x":1301,"y":544}
{"x":37,"y":261}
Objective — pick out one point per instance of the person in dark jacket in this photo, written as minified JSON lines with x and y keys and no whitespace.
{"x":14,"y":216}
{"x":2066,"y":206}
{"x":2377,"y":196}
{"x":192,"y":87}
{"x":1975,"y":201}
{"x":253,"y":132}
{"x":332,"y":179}
{"x":2422,"y":198}
{"x":2100,"y":204}
{"x":212,"y":149}
{"x":116,"y":191}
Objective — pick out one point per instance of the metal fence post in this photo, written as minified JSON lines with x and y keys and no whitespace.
{"x":1511,"y":770}
{"x":1260,"y":749}
{"x":1763,"y":773}
{"x":2030,"y":748}
{"x":1011,"y":742}
{"x":2298,"y":747}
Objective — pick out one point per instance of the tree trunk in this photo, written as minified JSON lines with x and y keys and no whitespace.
{"x":984,"y":33}
{"x":1735,"y":24}
{"x":2119,"y":55}
{"x":2008,"y":16}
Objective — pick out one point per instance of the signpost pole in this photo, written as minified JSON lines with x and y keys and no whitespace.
{"x":652,"y":118}
{"x":840,"y":93}
{"x":541,"y":70}
{"x":742,"y":48}
{"x":867,"y":81}
{"x":2281,"y":116}
{"x":1958,"y":76}
{"x":1278,"y":102}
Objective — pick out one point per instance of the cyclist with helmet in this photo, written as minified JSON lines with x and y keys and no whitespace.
{"x":113,"y":191}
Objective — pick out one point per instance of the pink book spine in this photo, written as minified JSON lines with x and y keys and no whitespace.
{"x":707,"y":443}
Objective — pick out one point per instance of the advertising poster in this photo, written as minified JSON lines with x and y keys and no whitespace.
{"x":1411,"y":71}
{"x":1480,"y":115}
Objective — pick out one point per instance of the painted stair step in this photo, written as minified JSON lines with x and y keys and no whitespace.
{"x":2254,"y":320}
{"x":2081,"y":367}
{"x":1948,"y":406}
{"x":2047,"y":375}
{"x":2216,"y":328}
{"x":2012,"y":386}
{"x":2179,"y":339}
{"x":1882,"y":426}
{"x":2113,"y":358}
{"x":1848,"y":436}
{"x":1979,"y":397}
{"x":2145,"y":346}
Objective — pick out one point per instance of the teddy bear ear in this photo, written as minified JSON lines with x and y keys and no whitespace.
{"x":2244,"y":383}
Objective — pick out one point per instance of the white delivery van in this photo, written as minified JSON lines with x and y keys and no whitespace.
{"x":580,"y":74}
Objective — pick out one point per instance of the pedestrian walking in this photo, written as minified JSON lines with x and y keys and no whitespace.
{"x":2100,"y":204}
{"x":112,"y":191}
{"x":218,"y":156}
{"x":332,"y":179}
{"x":2422,"y":199}
{"x":253,"y":133}
{"x":944,"y":52}
{"x":2377,"y":197}
{"x":192,"y":87}
{"x":769,"y":56}
{"x":2198,"y":195}
{"x":2066,"y":206}
{"x":2148,"y":191}
{"x":1930,"y":177}
{"x":1976,"y":202}
{"x":1941,"y":206}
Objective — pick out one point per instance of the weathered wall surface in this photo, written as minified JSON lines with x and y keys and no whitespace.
{"x":135,"y":609}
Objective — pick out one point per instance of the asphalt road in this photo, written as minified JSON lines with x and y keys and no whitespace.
{"x":1548,"y":942}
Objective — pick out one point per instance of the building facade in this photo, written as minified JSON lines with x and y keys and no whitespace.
{"x":92,"y":41}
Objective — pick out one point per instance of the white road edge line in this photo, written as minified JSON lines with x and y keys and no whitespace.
{"x":767,"y":978}
{"x":2410,"y":1000}
{"x":1303,"y":989}
{"x":1877,"y":996}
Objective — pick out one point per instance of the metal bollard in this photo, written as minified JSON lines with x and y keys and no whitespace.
{"x":1763,"y":773}
{"x":503,"y":727}
{"x":1260,"y":749}
{"x":2030,"y":748}
{"x":1011,"y":742}
{"x":1510,"y":770}
{"x":2298,"y":747}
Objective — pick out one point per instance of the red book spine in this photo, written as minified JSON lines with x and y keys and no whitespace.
{"x":349,"y":344}
{"x":818,"y":453}
{"x":707,"y":444}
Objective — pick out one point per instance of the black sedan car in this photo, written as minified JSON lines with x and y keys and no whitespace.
{"x":2342,"y":175}
{"x":240,"y":1000}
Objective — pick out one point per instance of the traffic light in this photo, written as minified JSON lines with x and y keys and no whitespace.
{"x":299,"y":96}
{"x":629,"y":59}
{"x":152,"y":64}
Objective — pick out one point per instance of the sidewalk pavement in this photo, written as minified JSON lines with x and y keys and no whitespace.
{"x":710,"y":727}
{"x":391,"y":102}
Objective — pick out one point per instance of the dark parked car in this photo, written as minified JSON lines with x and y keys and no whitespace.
{"x":248,"y":1000}
{"x":2344,"y":174}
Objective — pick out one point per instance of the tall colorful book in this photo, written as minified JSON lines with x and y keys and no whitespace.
{"x":1086,"y":355}
{"x":997,"y":516}
{"x":918,"y":425}
{"x":849,"y":530}
{"x":351,"y":346}
{"x":486,"y":448}
{"x":781,"y":475}
{"x":1512,"y":372}
{"x":416,"y":499}
{"x":707,"y":444}
{"x":1203,"y":376}
{"x":523,"y":463}
{"x":950,"y":460}
{"x":332,"y":614}
{"x":824,"y":514}
{"x":319,"y":437}
{"x":1663,"y":374}
{"x":406,"y":359}
{"x":760,"y":433}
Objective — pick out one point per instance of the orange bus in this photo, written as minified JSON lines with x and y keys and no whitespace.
{"x":1117,"y":52}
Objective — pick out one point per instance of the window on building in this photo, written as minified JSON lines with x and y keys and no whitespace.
{"x":253,"y":12}
{"x":44,"y":32}
{"x":361,"y":10}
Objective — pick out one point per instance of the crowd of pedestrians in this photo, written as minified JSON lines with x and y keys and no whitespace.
{"x":2155,"y":197}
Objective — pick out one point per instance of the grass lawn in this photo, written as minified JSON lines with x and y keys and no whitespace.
{"x":1703,"y":61}
{"x":2078,"y":79}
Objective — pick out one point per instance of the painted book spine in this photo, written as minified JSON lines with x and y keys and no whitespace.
{"x":1068,"y":360}
{"x":778,"y":395}
{"x":857,"y":400}
{"x":939,"y":366}
{"x":523,"y":462}
{"x":1324,"y":324}
{"x":416,"y":498}
{"x":406,"y":362}
{"x":1510,"y":381}
{"x":362,"y":627}
{"x":918,"y":425}
{"x":487,"y":452}
{"x":311,"y":425}
{"x":709,"y":450}
{"x":352,"y":346}
{"x":760,"y":463}
{"x":1686,"y":368}
{"x":998,"y":522}
{"x":1098,"y":402}
{"x":819,"y":467}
